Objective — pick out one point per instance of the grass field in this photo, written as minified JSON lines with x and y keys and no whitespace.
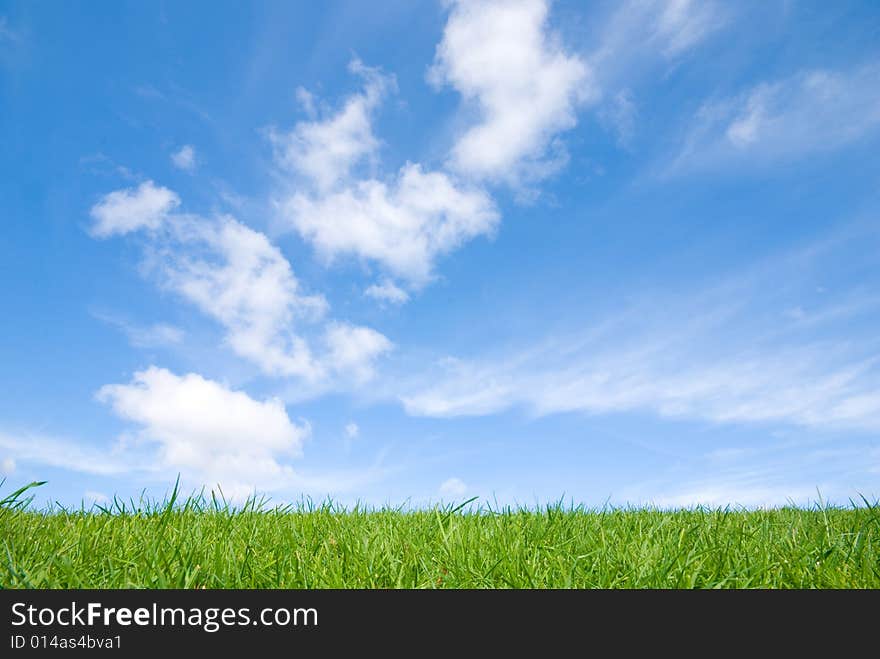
{"x":202,"y":543}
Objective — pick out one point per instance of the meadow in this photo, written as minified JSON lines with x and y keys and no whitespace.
{"x":203,"y":542}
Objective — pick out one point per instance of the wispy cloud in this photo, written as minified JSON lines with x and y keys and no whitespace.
{"x":777,"y":473}
{"x":620,"y":114}
{"x":812,"y":111}
{"x":387,"y":291}
{"x":640,"y":30}
{"x":185,"y":158}
{"x":37,"y":449}
{"x":167,"y":433}
{"x":641,"y":39}
{"x":724,"y":355}
{"x":155,"y":335}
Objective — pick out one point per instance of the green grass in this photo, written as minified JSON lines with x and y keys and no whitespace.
{"x":204,"y":543}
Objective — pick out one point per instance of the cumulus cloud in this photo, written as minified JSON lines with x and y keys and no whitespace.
{"x":387,"y":291}
{"x":7,"y":466}
{"x":453,"y":487}
{"x":124,"y":211}
{"x":325,"y":151}
{"x":524,"y":88}
{"x":812,"y":111}
{"x":404,"y":224}
{"x":204,"y":428}
{"x":352,"y":430}
{"x":504,"y":61}
{"x":235,"y":275}
{"x":184,"y":158}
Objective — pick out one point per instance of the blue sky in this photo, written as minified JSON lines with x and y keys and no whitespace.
{"x":618,"y":252}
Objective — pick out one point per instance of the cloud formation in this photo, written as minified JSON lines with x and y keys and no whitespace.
{"x":132,"y":209}
{"x":524,"y":87}
{"x":324,"y":152}
{"x":235,"y":275}
{"x":204,"y":428}
{"x":185,"y":158}
{"x":387,"y":291}
{"x":738,"y":358}
{"x":404,"y":224}
{"x":811,"y":111}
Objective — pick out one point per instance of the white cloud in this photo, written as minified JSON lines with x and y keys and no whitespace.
{"x":403,"y":222}
{"x":681,"y":24}
{"x":796,"y":388}
{"x":235,"y":275}
{"x":810,"y":112}
{"x":204,"y":428}
{"x":325,"y":151}
{"x":501,"y":57}
{"x":180,"y":434}
{"x":748,"y":495}
{"x":722,"y":355}
{"x":803,"y":386}
{"x":40,"y":450}
{"x":353,"y":349}
{"x":158,"y":334}
{"x":124,"y":211}
{"x":185,"y":158}
{"x":7,"y":466}
{"x":403,"y":225}
{"x":453,"y":487}
{"x":352,"y":430}
{"x":387,"y":291}
{"x":640,"y":40}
